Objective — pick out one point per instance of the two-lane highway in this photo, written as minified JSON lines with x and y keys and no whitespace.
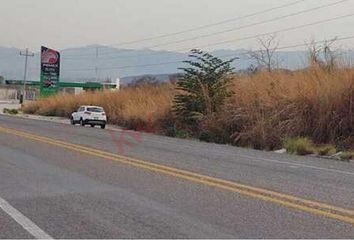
{"x":63,"y":181}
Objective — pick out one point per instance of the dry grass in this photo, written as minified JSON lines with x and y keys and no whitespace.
{"x":129,"y":107}
{"x":266,"y":109}
{"x":269,"y":107}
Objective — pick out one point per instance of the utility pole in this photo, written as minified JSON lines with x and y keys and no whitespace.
{"x":26,"y":54}
{"x":96,"y":68}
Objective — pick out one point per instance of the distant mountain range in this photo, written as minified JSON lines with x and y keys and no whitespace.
{"x":79,"y":64}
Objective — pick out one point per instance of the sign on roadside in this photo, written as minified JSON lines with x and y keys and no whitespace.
{"x":50,"y":71}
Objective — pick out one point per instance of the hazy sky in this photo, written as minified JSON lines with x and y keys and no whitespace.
{"x":70,"y":23}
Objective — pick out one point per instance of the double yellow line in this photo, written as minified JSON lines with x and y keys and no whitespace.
{"x":314,"y":207}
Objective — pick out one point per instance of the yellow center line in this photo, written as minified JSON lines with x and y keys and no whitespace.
{"x":311,"y":206}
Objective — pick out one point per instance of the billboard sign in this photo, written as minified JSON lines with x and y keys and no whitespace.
{"x":50,"y":71}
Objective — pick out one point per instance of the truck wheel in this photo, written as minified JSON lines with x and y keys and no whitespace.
{"x":82,"y":123}
{"x":103,"y":126}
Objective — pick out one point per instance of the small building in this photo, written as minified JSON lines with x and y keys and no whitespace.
{"x":32,"y":88}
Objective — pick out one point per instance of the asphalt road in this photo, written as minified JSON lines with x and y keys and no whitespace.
{"x":63,"y":181}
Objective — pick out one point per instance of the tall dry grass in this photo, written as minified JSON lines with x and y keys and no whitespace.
{"x":265,"y":109}
{"x":268,"y":107}
{"x":129,"y":107}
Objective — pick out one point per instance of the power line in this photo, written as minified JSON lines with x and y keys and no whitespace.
{"x":221,"y":56}
{"x":250,"y":25}
{"x":206,"y":25}
{"x":240,"y":39}
{"x":279,"y":31}
{"x":294,"y":46}
{"x":213,"y":24}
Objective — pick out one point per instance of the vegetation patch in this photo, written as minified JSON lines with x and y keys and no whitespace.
{"x":326,"y":150}
{"x":140,"y":107}
{"x":346,"y":156}
{"x":300,"y":146}
{"x":212,"y":103}
{"x":10,"y":111}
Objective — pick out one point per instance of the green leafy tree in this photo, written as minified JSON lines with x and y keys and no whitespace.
{"x":203,"y":86}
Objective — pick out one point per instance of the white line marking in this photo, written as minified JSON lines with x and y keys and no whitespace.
{"x":21,"y":219}
{"x":257,"y":159}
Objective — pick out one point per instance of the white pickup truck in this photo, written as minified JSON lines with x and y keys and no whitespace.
{"x":91,"y":115}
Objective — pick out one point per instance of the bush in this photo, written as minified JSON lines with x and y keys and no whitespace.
{"x":326,"y":150}
{"x":206,"y":136}
{"x":346,"y":156}
{"x":300,"y":146}
{"x":203,"y":87}
{"x":182,"y":134}
{"x":10,"y":111}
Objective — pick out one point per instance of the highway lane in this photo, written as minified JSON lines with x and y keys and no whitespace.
{"x":71,"y":194}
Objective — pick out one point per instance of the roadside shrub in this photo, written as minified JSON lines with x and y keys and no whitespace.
{"x":300,"y":146}
{"x":326,"y":150}
{"x":206,"y":136}
{"x":10,"y":111}
{"x":346,"y":156}
{"x":180,"y":133}
{"x":203,"y":87}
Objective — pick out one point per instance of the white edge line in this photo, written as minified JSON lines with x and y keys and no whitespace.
{"x":257,"y":159}
{"x":21,"y":219}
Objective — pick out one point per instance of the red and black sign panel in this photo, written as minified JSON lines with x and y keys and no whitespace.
{"x":50,"y":71}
